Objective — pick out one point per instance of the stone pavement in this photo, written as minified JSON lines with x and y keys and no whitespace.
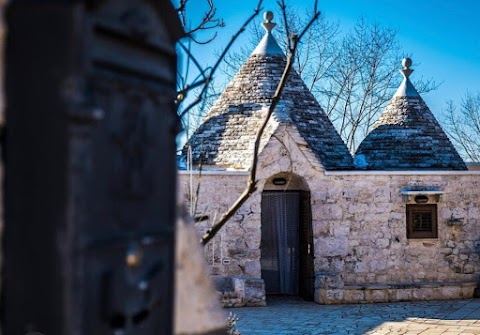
{"x":290,"y":316}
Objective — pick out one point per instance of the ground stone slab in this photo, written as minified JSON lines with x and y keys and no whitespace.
{"x":296,"y":317}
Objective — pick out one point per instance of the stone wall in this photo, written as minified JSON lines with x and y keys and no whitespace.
{"x":234,"y":254}
{"x":361,"y":250}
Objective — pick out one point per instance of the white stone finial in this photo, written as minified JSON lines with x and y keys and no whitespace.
{"x":406,"y":63}
{"x":406,"y":88}
{"x":268,"y":25}
{"x":268,"y":16}
{"x":268,"y":45}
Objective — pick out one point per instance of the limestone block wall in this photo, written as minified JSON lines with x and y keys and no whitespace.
{"x":362,"y":253}
{"x":233,"y":255}
{"x":236,"y":249}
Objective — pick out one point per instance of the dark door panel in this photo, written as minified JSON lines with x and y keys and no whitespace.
{"x":280,"y":242}
{"x":287,"y":243}
{"x":307,"y":272}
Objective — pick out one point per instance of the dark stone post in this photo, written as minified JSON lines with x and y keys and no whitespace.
{"x":90,"y":171}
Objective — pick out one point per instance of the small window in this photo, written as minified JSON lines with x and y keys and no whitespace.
{"x":421,"y":221}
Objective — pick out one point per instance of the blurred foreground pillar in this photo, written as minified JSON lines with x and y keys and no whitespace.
{"x":90,"y":169}
{"x":197,"y":304}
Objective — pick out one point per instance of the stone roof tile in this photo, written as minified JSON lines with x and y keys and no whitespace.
{"x":407,"y":136}
{"x":227,"y":133}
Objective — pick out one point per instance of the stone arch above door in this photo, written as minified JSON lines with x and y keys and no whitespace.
{"x":286,"y":181}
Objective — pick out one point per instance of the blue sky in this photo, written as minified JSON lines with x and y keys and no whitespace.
{"x":442,"y":35}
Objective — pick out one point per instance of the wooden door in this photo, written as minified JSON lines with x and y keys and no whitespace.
{"x":279,"y":244}
{"x":287,"y":256}
{"x":306,"y":268}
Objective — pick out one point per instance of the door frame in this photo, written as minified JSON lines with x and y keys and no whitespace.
{"x":306,"y":272}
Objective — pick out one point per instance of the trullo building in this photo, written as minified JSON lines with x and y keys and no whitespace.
{"x":398,"y":221}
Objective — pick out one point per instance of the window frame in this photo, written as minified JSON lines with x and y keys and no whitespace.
{"x":411,"y":210}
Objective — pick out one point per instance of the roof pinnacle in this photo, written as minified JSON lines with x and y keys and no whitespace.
{"x":406,"y":88}
{"x":268,"y":25}
{"x":268,"y":45}
{"x":406,"y":63}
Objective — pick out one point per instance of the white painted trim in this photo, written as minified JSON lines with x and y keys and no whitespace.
{"x":403,"y":173}
{"x":410,"y":192}
{"x":346,"y":173}
{"x":213,"y":173}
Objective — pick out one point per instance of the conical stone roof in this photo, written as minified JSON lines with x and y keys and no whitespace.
{"x":225,"y":139}
{"x":407,"y":136}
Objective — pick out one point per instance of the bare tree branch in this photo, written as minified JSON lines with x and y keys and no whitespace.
{"x":252,"y":180}
{"x":462,"y":124}
{"x":352,"y":76}
{"x":208,"y":22}
{"x":362,"y":80}
{"x":208,"y":77}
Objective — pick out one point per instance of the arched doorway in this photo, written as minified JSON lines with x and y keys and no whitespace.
{"x":287,"y":238}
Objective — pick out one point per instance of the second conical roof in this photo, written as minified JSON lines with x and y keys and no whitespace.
{"x":407,"y":136}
